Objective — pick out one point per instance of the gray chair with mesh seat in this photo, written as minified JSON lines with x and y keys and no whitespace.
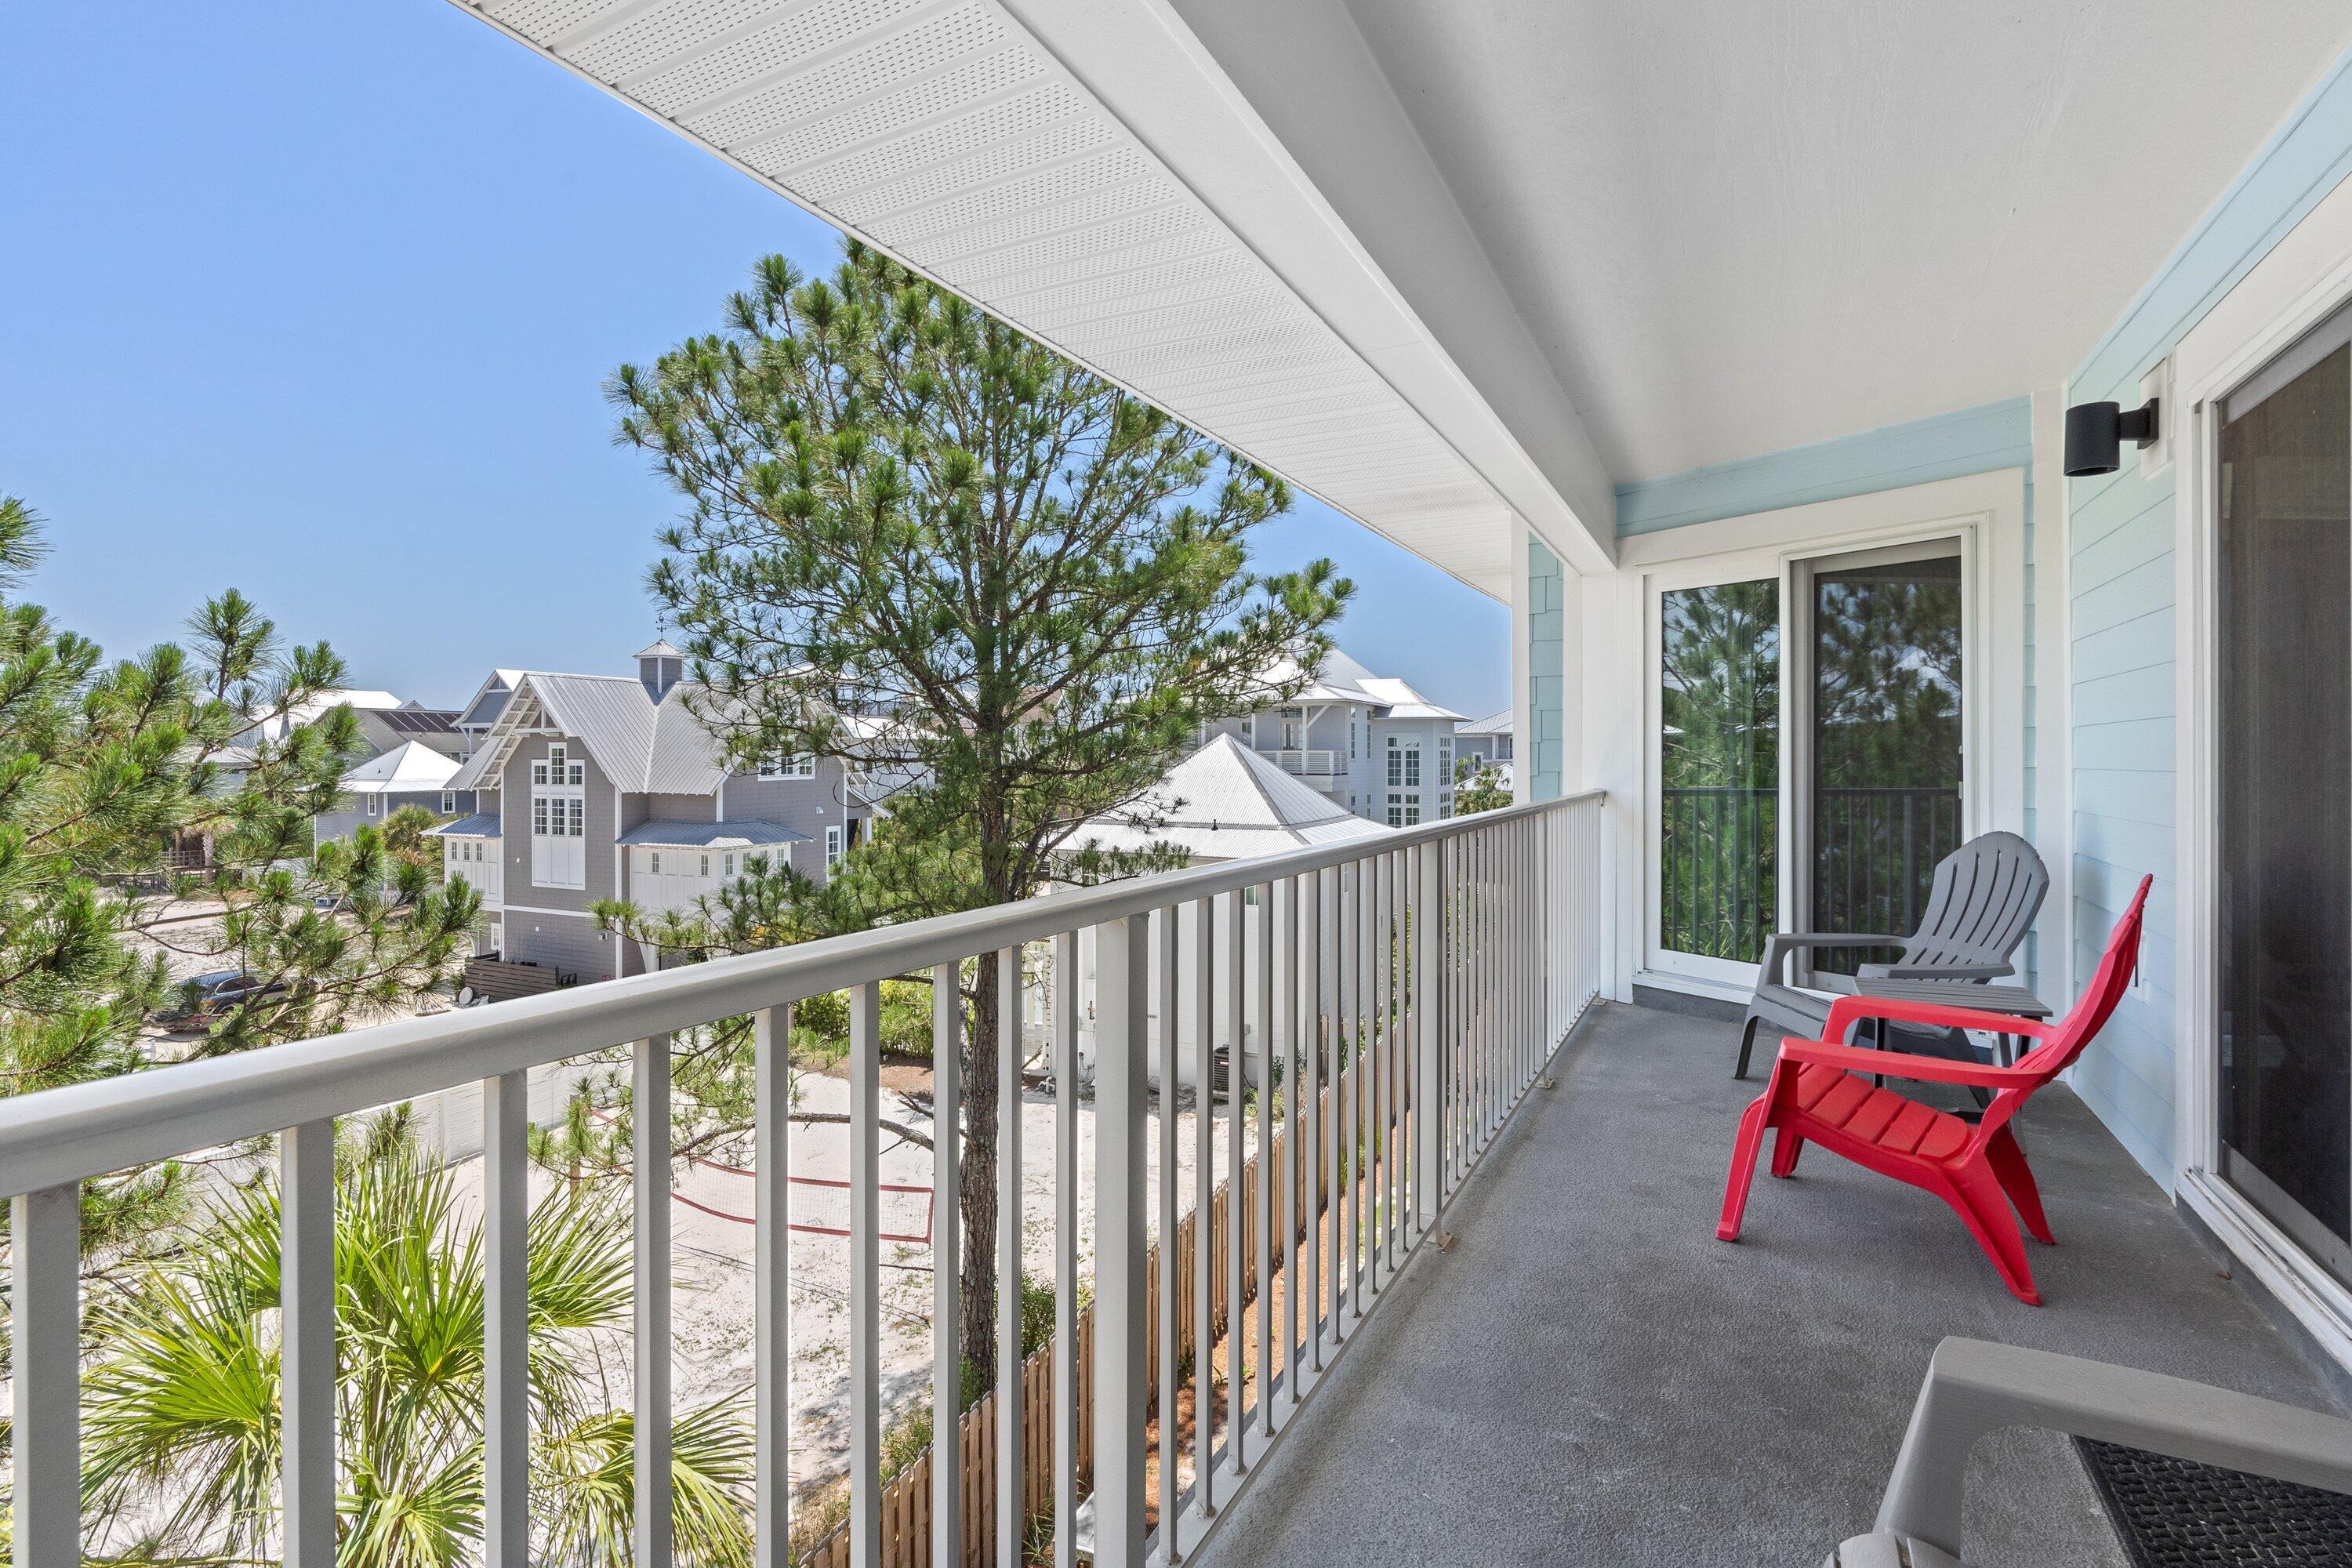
{"x":1983,"y":901}
{"x":1973,"y":1388}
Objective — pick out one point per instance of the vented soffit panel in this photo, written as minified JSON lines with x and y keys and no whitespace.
{"x":940,"y":131}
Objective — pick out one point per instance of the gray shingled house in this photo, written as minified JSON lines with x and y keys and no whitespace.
{"x":594,"y":788}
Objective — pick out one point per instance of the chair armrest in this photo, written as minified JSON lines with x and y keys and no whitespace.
{"x":1903,"y":1064}
{"x":1974,"y":1387}
{"x":1848,"y":1011}
{"x":1783,"y":943}
{"x":1938,"y":971}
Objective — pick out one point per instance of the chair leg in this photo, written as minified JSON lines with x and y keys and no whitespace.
{"x":2016,"y":1177}
{"x":1746,"y":1046}
{"x":1786,"y":1146}
{"x":1743,"y":1166}
{"x":1975,"y":1195}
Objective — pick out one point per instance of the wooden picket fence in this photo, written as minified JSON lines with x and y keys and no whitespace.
{"x":906,"y":1499}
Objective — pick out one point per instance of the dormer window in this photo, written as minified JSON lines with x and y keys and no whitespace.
{"x":791,"y":765}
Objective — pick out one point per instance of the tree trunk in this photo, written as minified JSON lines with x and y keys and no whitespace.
{"x":976,"y":1334}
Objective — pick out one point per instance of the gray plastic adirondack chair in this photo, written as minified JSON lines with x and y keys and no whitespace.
{"x":1983,"y":901}
{"x":1973,"y":1388}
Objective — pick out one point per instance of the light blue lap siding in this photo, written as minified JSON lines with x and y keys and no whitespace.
{"x":2119,"y":538}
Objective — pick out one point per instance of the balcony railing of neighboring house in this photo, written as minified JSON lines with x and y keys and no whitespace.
{"x":486,"y":878}
{"x":1308,"y":763}
{"x":1874,"y":862}
{"x":1411,"y":994}
{"x":1874,"y":859}
{"x":1716,"y":848}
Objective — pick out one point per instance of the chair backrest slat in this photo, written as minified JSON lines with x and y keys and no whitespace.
{"x":1981,"y":904}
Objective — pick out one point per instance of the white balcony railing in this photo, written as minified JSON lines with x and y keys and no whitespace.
{"x":1308,"y":763}
{"x":1411,"y":996}
{"x":486,"y":878}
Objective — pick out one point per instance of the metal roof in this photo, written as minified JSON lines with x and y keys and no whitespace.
{"x":1225,"y":802}
{"x":407,"y":768}
{"x":712,"y":834}
{"x":683,"y":758}
{"x":481,"y":825}
{"x":1493,"y":724}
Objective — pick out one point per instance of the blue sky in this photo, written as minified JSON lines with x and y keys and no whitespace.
{"x":316,"y":301}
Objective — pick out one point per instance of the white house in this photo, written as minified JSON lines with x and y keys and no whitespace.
{"x":1223,"y":803}
{"x":1370,"y":743}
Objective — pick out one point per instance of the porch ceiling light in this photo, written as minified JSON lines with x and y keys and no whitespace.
{"x":2094,"y":432}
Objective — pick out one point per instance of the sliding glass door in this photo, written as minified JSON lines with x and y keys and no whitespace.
{"x":1809,"y":774}
{"x":1883,"y":775}
{"x":2282,"y":705}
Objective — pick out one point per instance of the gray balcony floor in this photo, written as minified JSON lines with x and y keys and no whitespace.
{"x":1587,"y":1376}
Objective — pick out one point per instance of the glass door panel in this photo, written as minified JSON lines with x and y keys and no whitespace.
{"x":1883,"y":681}
{"x":2282,"y":704}
{"x":1719,"y":769}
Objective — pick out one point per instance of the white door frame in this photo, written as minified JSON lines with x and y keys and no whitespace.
{"x":1984,"y":512}
{"x":2304,"y":279}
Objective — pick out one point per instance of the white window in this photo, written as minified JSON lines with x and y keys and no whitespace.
{"x":833,"y":847}
{"x":1249,"y":728}
{"x":1404,"y":762}
{"x":558,"y":820}
{"x":1351,"y":737}
{"x":653,"y":862}
{"x":729,"y":872}
{"x":449,"y":803}
{"x":374,"y":802}
{"x":1294,"y":727}
{"x":705,"y":871}
{"x":1445,"y":760}
{"x":1404,"y":810}
{"x":1445,"y":806}
{"x":797,"y":766}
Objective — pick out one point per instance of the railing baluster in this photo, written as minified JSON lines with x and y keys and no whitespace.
{"x":506,"y":1319}
{"x":1263,"y":946}
{"x":1347,"y":1017}
{"x":1066,"y":1259}
{"x":1311,"y":899}
{"x":865,"y":1275}
{"x":306,"y":1290}
{"x":772,"y":1243}
{"x":1012,"y":1496}
{"x":1171,"y":984}
{"x":1122,"y":1009}
{"x":649,"y":1182}
{"x":1204,"y":1176}
{"x":1428,"y":1040}
{"x":1286,"y":1016}
{"x":947,"y":1268}
{"x":1236,"y":1162}
{"x":45,"y":1315}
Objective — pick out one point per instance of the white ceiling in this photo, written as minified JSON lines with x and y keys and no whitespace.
{"x":1734,"y":226}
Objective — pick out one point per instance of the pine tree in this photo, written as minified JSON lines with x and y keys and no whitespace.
{"x":103,"y":768}
{"x":917,"y":538}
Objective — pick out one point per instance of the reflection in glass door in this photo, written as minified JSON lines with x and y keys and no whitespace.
{"x":1882,"y":683}
{"x":1719,"y":769}
{"x":2283,"y":706}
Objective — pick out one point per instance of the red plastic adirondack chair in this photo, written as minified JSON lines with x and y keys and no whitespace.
{"x":1820,"y":1093}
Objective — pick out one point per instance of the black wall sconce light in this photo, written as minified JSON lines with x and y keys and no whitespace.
{"x":2096,"y":432}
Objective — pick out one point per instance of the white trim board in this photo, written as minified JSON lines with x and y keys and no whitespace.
{"x":1987,"y":509}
